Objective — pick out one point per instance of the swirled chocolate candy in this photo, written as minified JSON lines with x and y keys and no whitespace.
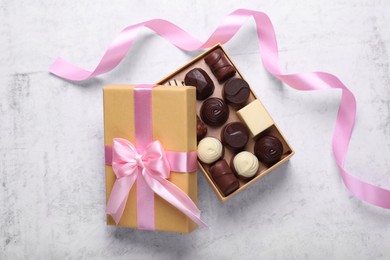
{"x":214,"y":111}
{"x":245,"y":165}
{"x":201,"y":81}
{"x":201,"y":129}
{"x":236,"y":92}
{"x":224,"y":178}
{"x":210,"y":150}
{"x":219,"y":65}
{"x":235,"y":136}
{"x":268,"y":149}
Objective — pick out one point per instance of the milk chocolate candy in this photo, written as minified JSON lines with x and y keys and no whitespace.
{"x":268,"y":149}
{"x":235,"y":136}
{"x":214,"y":111}
{"x":224,"y":178}
{"x":201,"y":81}
{"x":220,"y":66}
{"x":236,"y":92}
{"x":201,"y":129}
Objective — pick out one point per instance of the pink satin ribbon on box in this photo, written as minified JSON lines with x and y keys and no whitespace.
{"x":149,"y":165}
{"x":269,"y":54}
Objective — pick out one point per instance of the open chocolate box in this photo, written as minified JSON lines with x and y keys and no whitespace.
{"x":227,"y":168}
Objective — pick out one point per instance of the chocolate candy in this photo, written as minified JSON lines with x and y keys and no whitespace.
{"x":235,"y":136}
{"x":174,"y":83}
{"x":210,"y":150}
{"x":201,"y":129}
{"x":236,"y":92}
{"x":255,"y":117}
{"x":268,"y":149}
{"x":214,"y":111}
{"x":245,"y":165}
{"x":219,"y":65}
{"x":199,"y":79}
{"x":224,"y":177}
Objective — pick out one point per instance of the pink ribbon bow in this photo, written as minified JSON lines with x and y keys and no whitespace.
{"x":151,"y":165}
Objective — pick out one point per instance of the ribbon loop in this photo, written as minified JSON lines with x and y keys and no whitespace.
{"x":124,"y":156}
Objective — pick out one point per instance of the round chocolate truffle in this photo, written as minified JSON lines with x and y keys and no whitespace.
{"x":210,"y":149}
{"x":201,"y":81}
{"x":236,"y":92}
{"x":245,"y":165}
{"x":268,"y":149}
{"x":201,"y":129}
{"x":235,"y":136}
{"x":214,"y":111}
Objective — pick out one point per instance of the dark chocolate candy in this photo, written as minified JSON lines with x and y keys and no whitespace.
{"x":201,"y":81}
{"x":224,"y":178}
{"x":235,"y":136}
{"x":201,"y":129}
{"x":236,"y":92}
{"x":268,"y":149}
{"x":214,"y":111}
{"x":219,"y":65}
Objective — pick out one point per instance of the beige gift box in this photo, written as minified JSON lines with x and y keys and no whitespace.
{"x":174,"y":125}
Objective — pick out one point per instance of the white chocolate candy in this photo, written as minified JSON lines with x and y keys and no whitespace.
{"x":256,"y":117}
{"x":246,"y":164}
{"x":209,"y":150}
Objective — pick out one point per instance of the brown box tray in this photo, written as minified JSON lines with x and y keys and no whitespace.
{"x":199,"y":62}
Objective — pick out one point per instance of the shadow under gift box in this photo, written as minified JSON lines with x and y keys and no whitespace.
{"x":174,"y":125}
{"x":253,"y":110}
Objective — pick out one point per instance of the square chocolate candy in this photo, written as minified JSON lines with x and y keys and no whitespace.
{"x":256,"y":117}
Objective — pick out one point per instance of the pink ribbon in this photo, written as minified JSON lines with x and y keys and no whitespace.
{"x":178,"y":161}
{"x":148,"y":164}
{"x":269,"y":54}
{"x":152,"y":167}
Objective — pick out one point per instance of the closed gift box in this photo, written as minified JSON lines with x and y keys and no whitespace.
{"x":173,"y":117}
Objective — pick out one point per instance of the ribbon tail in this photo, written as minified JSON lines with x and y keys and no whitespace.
{"x":118,"y":197}
{"x":175,"y":196}
{"x":113,"y":56}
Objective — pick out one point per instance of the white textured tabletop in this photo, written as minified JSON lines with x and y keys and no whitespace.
{"x":52,"y":191}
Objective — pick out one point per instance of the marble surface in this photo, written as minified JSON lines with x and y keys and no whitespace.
{"x":52,"y":193}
